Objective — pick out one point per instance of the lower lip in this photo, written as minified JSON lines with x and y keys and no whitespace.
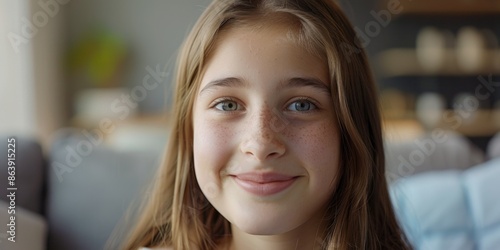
{"x":264,"y":189}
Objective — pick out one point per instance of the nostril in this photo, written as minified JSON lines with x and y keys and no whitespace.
{"x":273,"y":154}
{"x":262,"y":147}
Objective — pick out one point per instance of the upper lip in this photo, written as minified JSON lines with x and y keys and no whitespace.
{"x":263,"y":177}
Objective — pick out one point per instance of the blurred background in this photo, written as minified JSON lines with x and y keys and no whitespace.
{"x":65,"y":62}
{"x":86,"y":86}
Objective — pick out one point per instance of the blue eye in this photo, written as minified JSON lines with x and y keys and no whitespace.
{"x":302,"y":105}
{"x":227,"y":105}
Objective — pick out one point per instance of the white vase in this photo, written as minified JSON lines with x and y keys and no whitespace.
{"x":92,"y":106}
{"x":471,"y":51}
{"x":431,"y":49}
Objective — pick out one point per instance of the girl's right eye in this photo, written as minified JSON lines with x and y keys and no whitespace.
{"x":227,"y":105}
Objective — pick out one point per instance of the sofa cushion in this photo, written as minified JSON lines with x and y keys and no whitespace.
{"x":483,"y":192}
{"x":420,"y":210}
{"x":451,"y":209}
{"x":89,"y":190}
{"x":30,"y":229}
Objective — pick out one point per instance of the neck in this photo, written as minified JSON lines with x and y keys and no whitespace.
{"x":305,"y":237}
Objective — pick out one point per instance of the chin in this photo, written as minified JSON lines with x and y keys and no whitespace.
{"x":263,"y":225}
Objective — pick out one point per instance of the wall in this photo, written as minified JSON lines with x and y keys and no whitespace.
{"x":16,"y":91}
{"x":153,"y":30}
{"x":30,"y":69}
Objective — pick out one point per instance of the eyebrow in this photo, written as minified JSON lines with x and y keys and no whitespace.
{"x":295,"y":82}
{"x":304,"y":82}
{"x":225,"y":82}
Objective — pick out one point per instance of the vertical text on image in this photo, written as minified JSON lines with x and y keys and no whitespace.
{"x":11,"y":188}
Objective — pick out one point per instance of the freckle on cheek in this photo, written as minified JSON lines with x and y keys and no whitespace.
{"x":316,"y":139}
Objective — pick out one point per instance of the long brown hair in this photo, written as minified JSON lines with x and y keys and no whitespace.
{"x":359,"y":216}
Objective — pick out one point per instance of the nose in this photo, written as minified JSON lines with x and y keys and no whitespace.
{"x":262,"y":136}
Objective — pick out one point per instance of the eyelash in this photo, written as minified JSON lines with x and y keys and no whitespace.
{"x":306,"y":99}
{"x":222,"y":100}
{"x":300,"y":99}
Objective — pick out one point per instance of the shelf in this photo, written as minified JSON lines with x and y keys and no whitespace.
{"x":401,"y":130}
{"x":150,"y":120}
{"x":451,"y":7}
{"x":404,"y":62}
{"x":482,"y":122}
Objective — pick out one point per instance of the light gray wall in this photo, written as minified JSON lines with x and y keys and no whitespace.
{"x":30,"y":69}
{"x":154,"y":30}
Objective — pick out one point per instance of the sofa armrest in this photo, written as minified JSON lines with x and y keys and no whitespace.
{"x":30,"y":173}
{"x":30,"y":229}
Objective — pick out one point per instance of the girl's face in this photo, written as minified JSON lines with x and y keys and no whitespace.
{"x":266,"y":140}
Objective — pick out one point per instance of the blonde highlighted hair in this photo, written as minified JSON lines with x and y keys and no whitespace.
{"x":360,"y":215}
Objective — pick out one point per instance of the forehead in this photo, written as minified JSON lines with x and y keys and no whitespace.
{"x":251,"y":44}
{"x":282,"y":26}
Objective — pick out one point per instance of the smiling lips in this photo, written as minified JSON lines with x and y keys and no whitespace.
{"x":264,"y":184}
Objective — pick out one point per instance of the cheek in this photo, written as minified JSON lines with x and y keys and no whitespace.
{"x":211,"y":139}
{"x":211,"y":149}
{"x":318,"y":148}
{"x":208,"y":141}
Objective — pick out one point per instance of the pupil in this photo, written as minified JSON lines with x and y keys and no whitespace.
{"x":301,"y":105}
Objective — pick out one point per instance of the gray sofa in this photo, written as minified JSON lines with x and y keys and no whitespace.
{"x":30,"y":225}
{"x":75,"y":197}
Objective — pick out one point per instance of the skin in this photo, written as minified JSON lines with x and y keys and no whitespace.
{"x":266,"y":126}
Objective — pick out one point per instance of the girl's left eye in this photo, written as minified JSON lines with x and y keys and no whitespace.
{"x":302,"y":105}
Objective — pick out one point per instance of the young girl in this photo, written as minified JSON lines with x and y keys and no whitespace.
{"x":276,"y":140}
